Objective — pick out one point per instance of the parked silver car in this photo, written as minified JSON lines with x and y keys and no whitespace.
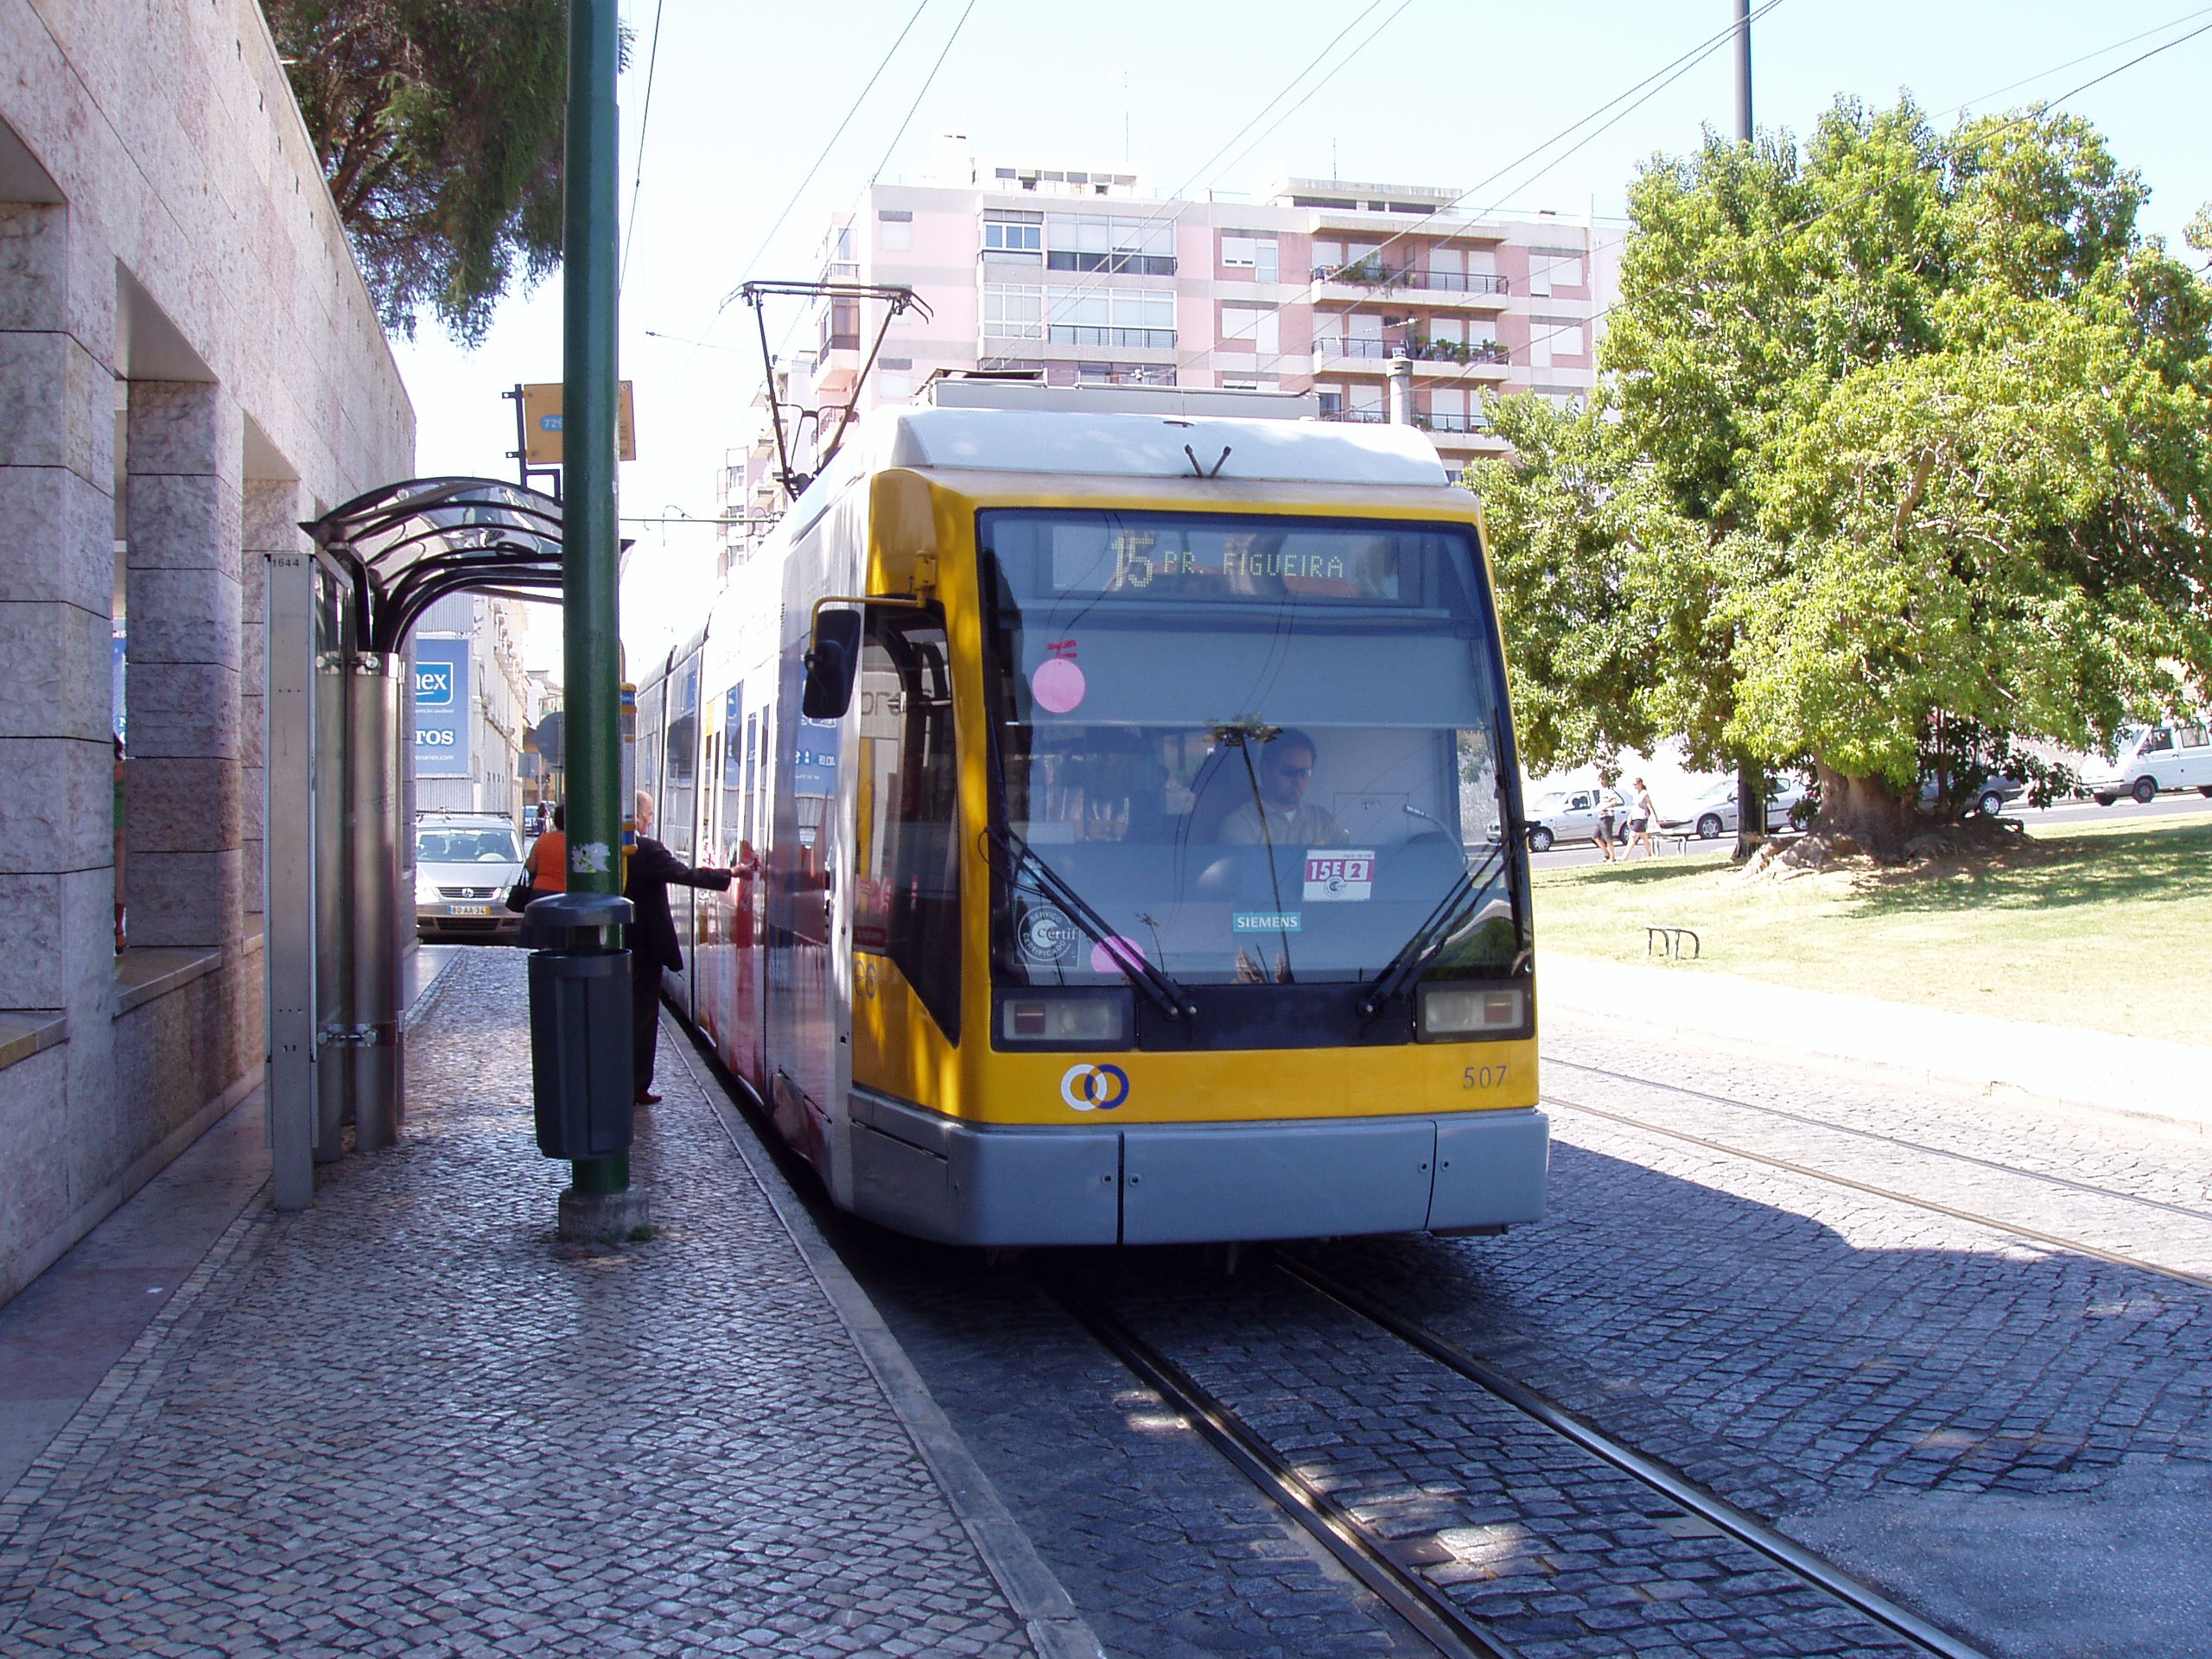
{"x":1714,"y":813}
{"x":1571,"y":815}
{"x":465,"y":864}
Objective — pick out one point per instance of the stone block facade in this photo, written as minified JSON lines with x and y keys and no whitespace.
{"x":189,"y":365}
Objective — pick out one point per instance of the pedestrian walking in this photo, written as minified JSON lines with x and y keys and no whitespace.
{"x":1642,"y":817}
{"x":653,"y":949}
{"x":546,"y":868}
{"x":1606,"y":800}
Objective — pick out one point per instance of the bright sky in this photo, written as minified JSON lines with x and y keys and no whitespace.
{"x":1423,"y":91}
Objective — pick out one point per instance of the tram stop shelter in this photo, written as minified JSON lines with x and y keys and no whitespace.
{"x":339,"y":736}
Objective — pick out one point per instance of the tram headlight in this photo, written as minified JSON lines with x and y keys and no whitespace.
{"x":1454,"y":1010}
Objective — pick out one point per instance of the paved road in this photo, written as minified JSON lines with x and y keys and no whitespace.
{"x":2010,"y":1436}
{"x":2039,"y":819}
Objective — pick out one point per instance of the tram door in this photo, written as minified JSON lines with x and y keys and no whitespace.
{"x":676,"y":819}
{"x":748,"y":910}
{"x":807,"y":1060}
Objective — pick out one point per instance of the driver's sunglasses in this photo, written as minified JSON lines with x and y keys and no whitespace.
{"x":1294,"y":771}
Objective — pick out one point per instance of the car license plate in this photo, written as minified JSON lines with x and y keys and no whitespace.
{"x":468,"y":910}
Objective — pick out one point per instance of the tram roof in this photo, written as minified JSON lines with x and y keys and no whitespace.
{"x":1157,"y":446}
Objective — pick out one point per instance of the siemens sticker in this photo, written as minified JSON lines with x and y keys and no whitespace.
{"x":440,"y":708}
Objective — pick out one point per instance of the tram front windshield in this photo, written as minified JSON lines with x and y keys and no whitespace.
{"x":1256,"y":749}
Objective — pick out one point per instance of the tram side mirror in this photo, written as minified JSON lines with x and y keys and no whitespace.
{"x":833,"y":659}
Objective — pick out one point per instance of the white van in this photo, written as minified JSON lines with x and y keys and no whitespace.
{"x":2150,"y":759}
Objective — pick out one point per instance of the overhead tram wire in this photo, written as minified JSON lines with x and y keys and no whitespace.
{"x":644,"y":125}
{"x":928,"y":81}
{"x":1657,"y":81}
{"x":1182,"y":190}
{"x":799,"y":190}
{"x":2043,"y":106}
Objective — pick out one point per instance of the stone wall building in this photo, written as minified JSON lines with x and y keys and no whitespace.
{"x":189,"y":365}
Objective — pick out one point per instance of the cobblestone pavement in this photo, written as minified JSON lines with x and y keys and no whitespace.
{"x":2013,"y":1439}
{"x":1167,"y":1553}
{"x":1857,"y":1367}
{"x":407,"y":1423}
{"x":1563,"y":1556}
{"x":2133,"y":1187}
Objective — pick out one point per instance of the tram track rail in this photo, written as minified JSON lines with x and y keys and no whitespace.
{"x":1370,"y":1559}
{"x":1997,"y":1224}
{"x":1853,"y":1130}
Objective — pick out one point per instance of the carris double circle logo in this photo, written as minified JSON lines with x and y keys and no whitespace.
{"x":1094,"y":1088}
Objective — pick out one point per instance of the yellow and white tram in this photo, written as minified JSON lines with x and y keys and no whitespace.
{"x":1153,"y":870}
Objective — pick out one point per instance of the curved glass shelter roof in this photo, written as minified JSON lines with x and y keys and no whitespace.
{"x":403,"y":547}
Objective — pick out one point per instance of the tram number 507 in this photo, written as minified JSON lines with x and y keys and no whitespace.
{"x":1483,"y":1077}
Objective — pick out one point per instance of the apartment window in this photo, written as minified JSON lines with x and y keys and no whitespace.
{"x":1098,"y":242}
{"x":894,"y":229}
{"x":1448,"y":262}
{"x":893,"y":387}
{"x":1364,"y":400}
{"x":1113,"y":316}
{"x":1359,"y":261}
{"x":1012,"y":312}
{"x":1013,"y":238}
{"x":1550,"y":268}
{"x":841,"y":325}
{"x":1254,"y":323}
{"x":1242,"y":251}
{"x":1554,"y":337}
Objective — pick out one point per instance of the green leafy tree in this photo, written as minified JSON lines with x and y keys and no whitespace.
{"x":438,"y":124}
{"x":1929,"y":416}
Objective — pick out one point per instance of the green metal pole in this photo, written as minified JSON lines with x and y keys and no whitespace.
{"x":593,"y":734}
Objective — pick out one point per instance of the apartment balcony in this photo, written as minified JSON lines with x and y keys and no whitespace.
{"x":1371,"y":278}
{"x":1468,"y":425}
{"x":1117,"y":264}
{"x":1144,"y":340}
{"x":1430,"y":356}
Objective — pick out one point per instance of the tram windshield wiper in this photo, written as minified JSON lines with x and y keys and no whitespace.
{"x":1155,"y":981}
{"x":1461,"y":899}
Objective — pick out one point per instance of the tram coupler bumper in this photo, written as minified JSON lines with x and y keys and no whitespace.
{"x":580,"y":1025}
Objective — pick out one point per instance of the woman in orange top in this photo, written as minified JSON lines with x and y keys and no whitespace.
{"x":548,"y":863}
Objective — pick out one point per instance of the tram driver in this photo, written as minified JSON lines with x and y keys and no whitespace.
{"x":1282,"y":817}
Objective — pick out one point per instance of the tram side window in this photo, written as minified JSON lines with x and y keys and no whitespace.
{"x":906,"y":901}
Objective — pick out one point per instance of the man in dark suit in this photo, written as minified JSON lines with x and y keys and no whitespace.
{"x":653,"y":948}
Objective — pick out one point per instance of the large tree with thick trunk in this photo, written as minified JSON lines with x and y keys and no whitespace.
{"x":1931,"y":417}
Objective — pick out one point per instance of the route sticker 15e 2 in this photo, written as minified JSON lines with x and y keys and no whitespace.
{"x":1338,"y":877}
{"x":1088,"y":1088}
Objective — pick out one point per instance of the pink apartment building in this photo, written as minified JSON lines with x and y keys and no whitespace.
{"x":1082,"y":275}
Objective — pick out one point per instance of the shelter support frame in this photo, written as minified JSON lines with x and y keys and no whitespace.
{"x":338,"y":708}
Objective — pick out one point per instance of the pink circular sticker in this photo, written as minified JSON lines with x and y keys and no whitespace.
{"x":1058,"y":685}
{"x":1116,"y":955}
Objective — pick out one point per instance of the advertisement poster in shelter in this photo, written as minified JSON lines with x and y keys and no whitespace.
{"x":440,"y":708}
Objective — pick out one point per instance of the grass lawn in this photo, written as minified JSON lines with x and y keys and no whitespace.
{"x":2109,"y":928}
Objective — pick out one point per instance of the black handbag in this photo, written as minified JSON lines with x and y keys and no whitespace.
{"x":519,"y":895}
